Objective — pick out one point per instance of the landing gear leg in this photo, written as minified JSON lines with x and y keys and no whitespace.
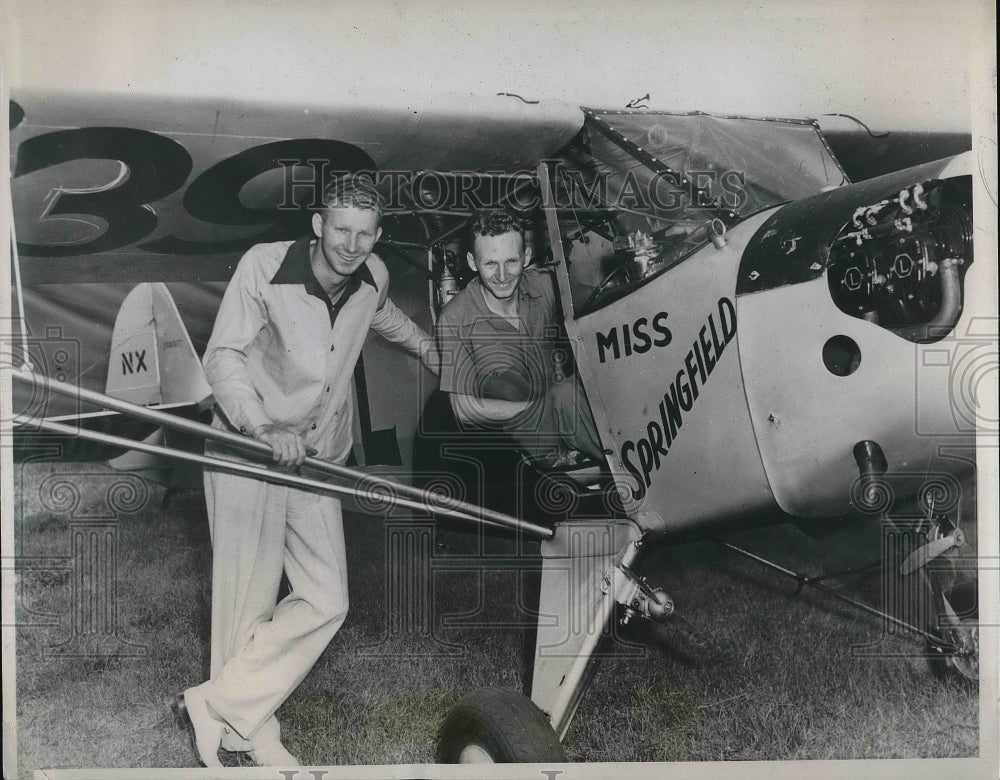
{"x":584,"y":575}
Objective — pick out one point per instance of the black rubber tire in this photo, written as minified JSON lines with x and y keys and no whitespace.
{"x":507,"y":726}
{"x":964,"y":599}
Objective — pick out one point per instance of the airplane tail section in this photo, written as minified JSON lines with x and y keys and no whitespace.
{"x":152,"y":360}
{"x":153,"y":363}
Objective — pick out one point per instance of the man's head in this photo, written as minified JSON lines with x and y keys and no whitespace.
{"x":347,"y":226}
{"x":498,"y":252}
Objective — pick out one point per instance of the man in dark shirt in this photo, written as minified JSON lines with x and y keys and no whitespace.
{"x":503,"y":364}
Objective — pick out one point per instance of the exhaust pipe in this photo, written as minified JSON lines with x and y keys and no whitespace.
{"x":872,"y":466}
{"x":949,"y":311}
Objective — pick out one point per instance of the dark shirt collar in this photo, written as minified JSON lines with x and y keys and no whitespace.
{"x":296,"y":268}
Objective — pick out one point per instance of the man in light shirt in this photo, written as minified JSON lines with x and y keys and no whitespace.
{"x":280,"y":362}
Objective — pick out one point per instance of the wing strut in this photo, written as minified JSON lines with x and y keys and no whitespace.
{"x":369,"y":486}
{"x":16,"y":257}
{"x":814,"y":582}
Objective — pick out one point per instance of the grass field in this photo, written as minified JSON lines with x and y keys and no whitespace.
{"x":752,"y":671}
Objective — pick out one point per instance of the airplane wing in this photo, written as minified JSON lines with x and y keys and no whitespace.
{"x":126,"y":188}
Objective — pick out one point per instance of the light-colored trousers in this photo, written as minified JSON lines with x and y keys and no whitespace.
{"x":261,"y":650}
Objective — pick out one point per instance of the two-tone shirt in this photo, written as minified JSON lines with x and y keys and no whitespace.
{"x":282,"y":353}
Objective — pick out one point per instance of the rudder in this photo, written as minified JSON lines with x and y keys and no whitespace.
{"x":152,"y":360}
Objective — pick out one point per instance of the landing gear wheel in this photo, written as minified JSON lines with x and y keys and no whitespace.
{"x":965,"y":636}
{"x":497,"y":726}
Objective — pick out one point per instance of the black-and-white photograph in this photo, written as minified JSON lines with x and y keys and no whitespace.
{"x":590,"y":388}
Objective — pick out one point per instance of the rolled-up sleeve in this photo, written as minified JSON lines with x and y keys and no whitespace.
{"x":241,"y":317}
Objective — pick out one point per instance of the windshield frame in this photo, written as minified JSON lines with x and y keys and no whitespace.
{"x":682,"y":210}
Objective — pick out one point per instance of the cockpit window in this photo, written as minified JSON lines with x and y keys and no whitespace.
{"x":638,"y":192}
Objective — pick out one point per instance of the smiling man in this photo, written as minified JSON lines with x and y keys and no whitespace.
{"x":280,"y":362}
{"x":503,"y":363}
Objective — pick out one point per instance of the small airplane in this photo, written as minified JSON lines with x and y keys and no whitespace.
{"x":759,"y":338}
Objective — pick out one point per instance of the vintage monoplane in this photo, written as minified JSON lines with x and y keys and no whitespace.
{"x":757,"y":336}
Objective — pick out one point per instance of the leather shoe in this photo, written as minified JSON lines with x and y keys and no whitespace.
{"x":272,"y":754}
{"x":191,"y":710}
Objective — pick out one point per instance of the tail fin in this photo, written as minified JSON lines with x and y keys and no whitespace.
{"x":152,"y":360}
